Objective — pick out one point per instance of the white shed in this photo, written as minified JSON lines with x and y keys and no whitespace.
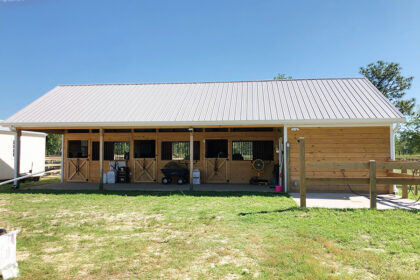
{"x":32,"y":152}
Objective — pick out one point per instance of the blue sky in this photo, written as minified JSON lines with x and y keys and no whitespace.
{"x":44,"y":43}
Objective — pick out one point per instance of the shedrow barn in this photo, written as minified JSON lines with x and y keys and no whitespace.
{"x":218,"y":128}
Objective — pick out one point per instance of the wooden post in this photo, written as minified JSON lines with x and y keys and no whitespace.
{"x":288,"y":177}
{"x":62,"y":158}
{"x":16,"y":154}
{"x":302,"y":172}
{"x":191,"y":157}
{"x":101,"y":159}
{"x":372,"y":184}
{"x":404,"y":187}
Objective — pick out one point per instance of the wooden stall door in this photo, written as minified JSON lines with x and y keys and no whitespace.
{"x":216,"y":170}
{"x":78,"y":169}
{"x":145,"y":170}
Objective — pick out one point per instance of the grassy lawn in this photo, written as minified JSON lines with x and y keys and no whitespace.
{"x":205,"y":236}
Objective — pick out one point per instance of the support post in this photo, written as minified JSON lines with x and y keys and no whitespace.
{"x":16,"y":154}
{"x":288,"y":179}
{"x":62,"y":158}
{"x":191,"y":157}
{"x":101,"y":159}
{"x":281,"y":153}
{"x":372,"y":184}
{"x":286,"y":164}
{"x":404,"y":187}
{"x":302,"y":172}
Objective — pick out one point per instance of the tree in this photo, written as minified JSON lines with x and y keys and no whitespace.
{"x":409,"y":136}
{"x":53,"y":144}
{"x":282,"y":77}
{"x":387,"y":78}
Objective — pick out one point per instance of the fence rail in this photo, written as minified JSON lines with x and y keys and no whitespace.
{"x":53,"y":163}
{"x":402,"y":178}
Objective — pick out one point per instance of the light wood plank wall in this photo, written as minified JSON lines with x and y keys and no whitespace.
{"x":238,"y":171}
{"x":340,"y":144}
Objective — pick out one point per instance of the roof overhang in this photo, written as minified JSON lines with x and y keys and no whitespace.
{"x":323,"y":122}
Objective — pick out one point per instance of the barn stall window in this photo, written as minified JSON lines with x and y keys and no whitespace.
{"x":144,"y":149}
{"x":217,"y":148}
{"x":179,"y":150}
{"x":251,"y":150}
{"x":112,"y":150}
{"x":77,"y":149}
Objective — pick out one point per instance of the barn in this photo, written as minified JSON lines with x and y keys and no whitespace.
{"x":219,"y":128}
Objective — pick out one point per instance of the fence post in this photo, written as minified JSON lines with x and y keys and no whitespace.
{"x":404,"y":187}
{"x":372,"y":184}
{"x":302,"y":173}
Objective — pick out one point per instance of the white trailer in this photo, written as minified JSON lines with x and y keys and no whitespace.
{"x":32,"y":152}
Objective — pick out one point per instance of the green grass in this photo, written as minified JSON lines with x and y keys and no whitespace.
{"x":141,"y":235}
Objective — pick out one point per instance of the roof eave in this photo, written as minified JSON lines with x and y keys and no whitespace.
{"x":64,"y":125}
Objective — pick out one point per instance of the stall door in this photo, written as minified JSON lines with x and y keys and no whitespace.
{"x":145,"y":170}
{"x":78,"y":169}
{"x":144,"y":161}
{"x":217,"y":161}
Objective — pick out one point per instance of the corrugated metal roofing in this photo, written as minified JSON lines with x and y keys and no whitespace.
{"x":308,"y":101}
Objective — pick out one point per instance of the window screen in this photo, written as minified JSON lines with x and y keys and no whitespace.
{"x":179,"y":150}
{"x":251,"y":150}
{"x":78,"y":149}
{"x":217,"y":148}
{"x":144,"y":149}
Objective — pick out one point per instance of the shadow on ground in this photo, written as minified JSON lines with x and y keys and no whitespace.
{"x":9,"y":190}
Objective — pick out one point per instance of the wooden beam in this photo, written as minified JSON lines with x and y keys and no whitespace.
{"x":398,"y":165}
{"x":101,"y":159}
{"x":398,"y":180}
{"x":16,"y":154}
{"x":288,"y":168}
{"x":372,"y":183}
{"x":404,"y":187}
{"x":302,"y":175}
{"x":62,"y":158}
{"x":338,"y":181}
{"x":191,"y":156}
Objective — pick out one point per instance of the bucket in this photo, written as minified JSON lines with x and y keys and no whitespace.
{"x":278,"y":188}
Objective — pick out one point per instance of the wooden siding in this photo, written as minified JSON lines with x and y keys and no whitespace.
{"x":237,"y":171}
{"x":340,"y":144}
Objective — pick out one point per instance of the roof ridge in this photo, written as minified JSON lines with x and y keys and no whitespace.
{"x":207,"y":82}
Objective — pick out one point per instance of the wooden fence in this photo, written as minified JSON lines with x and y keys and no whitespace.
{"x":53,"y":163}
{"x":392,"y":178}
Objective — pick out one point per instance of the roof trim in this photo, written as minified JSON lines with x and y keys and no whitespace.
{"x":207,"y":82}
{"x":208,"y":123}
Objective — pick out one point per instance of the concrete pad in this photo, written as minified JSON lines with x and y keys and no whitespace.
{"x":348,"y":200}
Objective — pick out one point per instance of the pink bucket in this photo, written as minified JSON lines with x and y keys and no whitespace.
{"x":278,"y":188}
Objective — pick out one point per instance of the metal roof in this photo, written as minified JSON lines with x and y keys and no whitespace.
{"x":295,"y":101}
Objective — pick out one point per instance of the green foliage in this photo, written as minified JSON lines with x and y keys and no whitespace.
{"x":387,"y":78}
{"x":409,"y":136}
{"x":282,"y":77}
{"x":53,"y":144}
